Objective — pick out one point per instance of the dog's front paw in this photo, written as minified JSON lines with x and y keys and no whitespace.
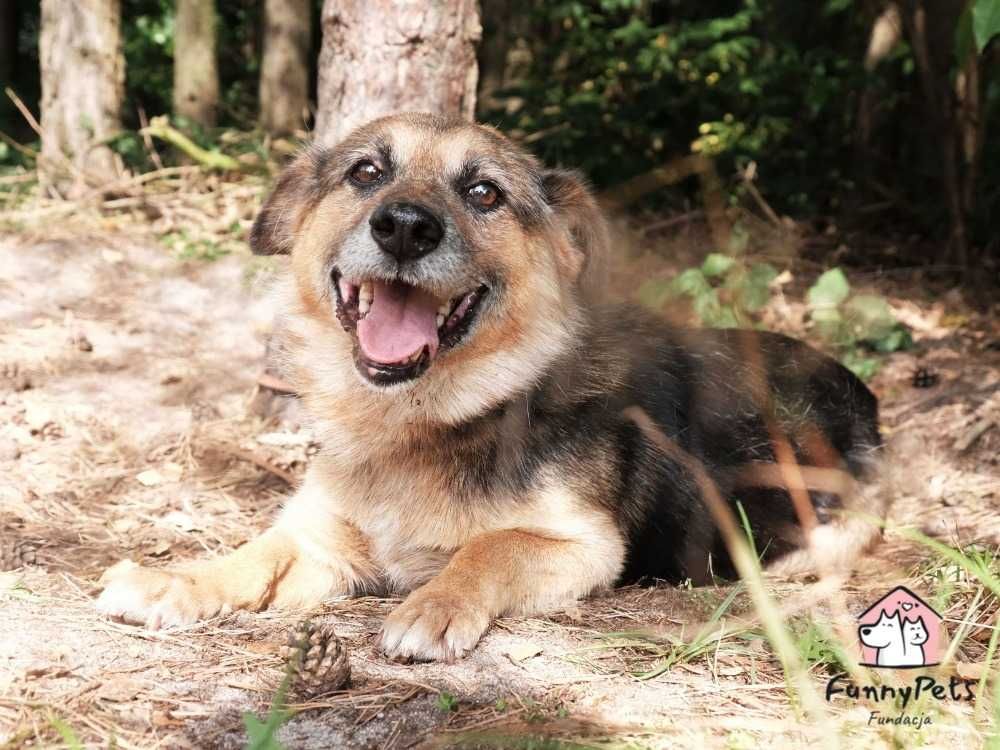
{"x":156,"y":598}
{"x":433,"y":624}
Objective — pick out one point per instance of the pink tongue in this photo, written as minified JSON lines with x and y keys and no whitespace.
{"x":401,"y":321}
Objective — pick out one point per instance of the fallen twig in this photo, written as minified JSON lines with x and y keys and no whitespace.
{"x":261,"y":462}
{"x":684,"y":218}
{"x":160,"y":128}
{"x":973,"y":434}
{"x":29,"y":152}
{"x":747,"y":175}
{"x":25,"y":112}
{"x":147,"y":140}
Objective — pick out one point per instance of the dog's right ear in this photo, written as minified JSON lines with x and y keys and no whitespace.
{"x":578,"y":213}
{"x":274,"y":229}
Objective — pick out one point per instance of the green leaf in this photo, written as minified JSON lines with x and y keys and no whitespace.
{"x":830,"y":325}
{"x":756,"y":287}
{"x":706,"y":306}
{"x":654,"y":293}
{"x":836,"y":6}
{"x":261,"y":734}
{"x":255,"y":727}
{"x":864,"y":367}
{"x":897,"y":340}
{"x":446,"y":702}
{"x":829,"y":290}
{"x":727,"y":317}
{"x":763,"y":272}
{"x":717,"y":264}
{"x":714,"y":314}
{"x":69,"y":737}
{"x":985,"y":22}
{"x":870,"y":318}
{"x":691,"y":282}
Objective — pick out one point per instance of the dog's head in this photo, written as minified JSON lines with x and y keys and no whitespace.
{"x":445,"y":251}
{"x":885,"y":632}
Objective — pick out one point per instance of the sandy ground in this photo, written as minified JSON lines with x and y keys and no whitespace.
{"x":127,"y":378}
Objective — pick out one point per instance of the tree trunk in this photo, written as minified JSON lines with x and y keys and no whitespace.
{"x":284,"y":69}
{"x":930,"y":26}
{"x":83,"y":80}
{"x":384,"y":56}
{"x":196,"y":72}
{"x":972,"y":125}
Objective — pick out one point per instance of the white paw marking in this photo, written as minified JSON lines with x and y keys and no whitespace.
{"x":432,"y":627}
{"x":154,"y":598}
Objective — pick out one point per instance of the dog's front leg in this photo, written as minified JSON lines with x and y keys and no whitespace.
{"x":308,"y":555}
{"x":510,"y":572}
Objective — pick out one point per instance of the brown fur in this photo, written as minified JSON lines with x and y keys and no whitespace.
{"x":503,"y":479}
{"x":378,"y":512}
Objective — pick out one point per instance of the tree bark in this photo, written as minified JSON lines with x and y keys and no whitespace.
{"x":385,"y":56}
{"x":930,"y":26}
{"x":284,"y":69}
{"x":972,"y":126}
{"x":196,"y":72}
{"x":83,"y":80}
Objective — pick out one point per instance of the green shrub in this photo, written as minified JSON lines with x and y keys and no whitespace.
{"x":855,"y":325}
{"x":724,"y":291}
{"x":618,"y":86}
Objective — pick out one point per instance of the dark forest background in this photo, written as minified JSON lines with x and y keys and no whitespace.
{"x":867,"y":115}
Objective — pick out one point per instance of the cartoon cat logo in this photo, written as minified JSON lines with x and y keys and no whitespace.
{"x":900,"y":630}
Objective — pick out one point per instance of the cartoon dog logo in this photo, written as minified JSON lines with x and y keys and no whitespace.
{"x":900,"y":630}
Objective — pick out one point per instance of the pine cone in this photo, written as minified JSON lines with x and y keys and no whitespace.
{"x":15,"y":554}
{"x":316,"y":659}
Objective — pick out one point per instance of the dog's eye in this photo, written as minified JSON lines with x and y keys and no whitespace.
{"x":365,"y":173}
{"x":483,"y":195}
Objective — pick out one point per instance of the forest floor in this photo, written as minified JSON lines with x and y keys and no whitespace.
{"x":127,"y":380}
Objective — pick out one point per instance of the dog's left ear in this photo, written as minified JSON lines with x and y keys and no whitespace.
{"x":274,"y":229}
{"x":580,"y":219}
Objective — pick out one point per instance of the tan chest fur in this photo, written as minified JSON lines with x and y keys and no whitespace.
{"x":413,"y":523}
{"x":403,"y":507}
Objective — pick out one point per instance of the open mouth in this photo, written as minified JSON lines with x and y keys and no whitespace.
{"x":399,"y":328}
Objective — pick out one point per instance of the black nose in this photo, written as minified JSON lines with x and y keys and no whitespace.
{"x":406,"y":231}
{"x":866,"y":631}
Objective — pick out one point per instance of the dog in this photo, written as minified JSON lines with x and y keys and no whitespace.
{"x":492,"y":424}
{"x":898,"y":642}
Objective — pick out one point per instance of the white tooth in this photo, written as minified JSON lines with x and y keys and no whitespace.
{"x":444,"y":309}
{"x":440,"y":319}
{"x":367,"y":293}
